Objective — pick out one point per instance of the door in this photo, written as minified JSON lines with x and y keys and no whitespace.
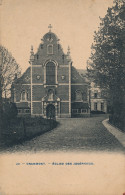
{"x":50,"y":111}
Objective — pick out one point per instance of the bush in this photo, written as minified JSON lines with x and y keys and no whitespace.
{"x":9,"y":110}
{"x":97,"y":112}
{"x":20,"y":129}
{"x":117,"y":120}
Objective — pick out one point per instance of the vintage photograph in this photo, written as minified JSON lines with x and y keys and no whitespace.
{"x":62,"y":97}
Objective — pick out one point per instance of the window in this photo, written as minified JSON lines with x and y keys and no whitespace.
{"x":78,"y":96}
{"x":50,"y":49}
{"x":23,"y":96}
{"x":95,"y":106}
{"x":27,"y":111}
{"x":19,"y":111}
{"x":83,"y":110}
{"x":74,"y":111}
{"x":95,"y":95}
{"x":50,"y":94}
{"x":79,"y":111}
{"x":50,"y":73}
{"x":102,"y":106}
{"x":27,"y":96}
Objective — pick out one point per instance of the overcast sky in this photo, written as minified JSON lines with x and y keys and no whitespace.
{"x":24,"y":22}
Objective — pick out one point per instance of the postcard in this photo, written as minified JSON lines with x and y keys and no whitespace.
{"x":59,"y":134}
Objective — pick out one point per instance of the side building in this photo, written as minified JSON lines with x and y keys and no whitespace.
{"x":98,"y":101}
{"x":51,"y":86}
{"x":98,"y":98}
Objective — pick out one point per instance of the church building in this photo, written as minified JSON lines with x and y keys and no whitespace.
{"x":51,"y":86}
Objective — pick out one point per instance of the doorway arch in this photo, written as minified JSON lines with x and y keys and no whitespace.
{"x":50,"y":111}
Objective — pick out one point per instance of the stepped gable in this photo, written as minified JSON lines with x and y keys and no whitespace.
{"x":50,"y":40}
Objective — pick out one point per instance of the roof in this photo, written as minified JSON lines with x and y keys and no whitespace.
{"x":22,"y":105}
{"x":76,"y":77}
{"x":53,"y":35}
{"x":22,"y":78}
{"x":83,"y":73}
{"x":80,"y":105}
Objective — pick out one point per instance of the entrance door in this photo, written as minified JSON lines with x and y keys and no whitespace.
{"x":50,"y":111}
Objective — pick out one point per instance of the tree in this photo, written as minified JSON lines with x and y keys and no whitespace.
{"x":9,"y":111}
{"x":106,"y":64}
{"x":9,"y":68}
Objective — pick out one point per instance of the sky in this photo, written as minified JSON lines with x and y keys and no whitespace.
{"x":24,"y":23}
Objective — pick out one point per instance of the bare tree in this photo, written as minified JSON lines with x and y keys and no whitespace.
{"x":9,"y":68}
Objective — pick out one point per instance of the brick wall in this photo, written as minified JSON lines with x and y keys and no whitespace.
{"x":38,"y":74}
{"x":38,"y":92}
{"x":63,"y":92}
{"x":63,"y":71}
{"x":64,"y":107}
{"x":37,"y":108}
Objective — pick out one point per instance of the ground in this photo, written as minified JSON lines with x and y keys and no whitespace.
{"x":74,"y":134}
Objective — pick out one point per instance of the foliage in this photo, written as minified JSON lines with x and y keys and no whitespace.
{"x":21,"y":129}
{"x":9,"y":68}
{"x":9,"y":110}
{"x":97,"y":112}
{"x":106,"y":65}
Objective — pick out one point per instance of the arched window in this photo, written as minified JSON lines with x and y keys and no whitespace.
{"x":50,"y":49}
{"x":95,"y":93}
{"x":23,"y":96}
{"x":50,"y":73}
{"x":78,"y":96}
{"x":27,"y":96}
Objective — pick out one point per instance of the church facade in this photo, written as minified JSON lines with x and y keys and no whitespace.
{"x":51,"y":86}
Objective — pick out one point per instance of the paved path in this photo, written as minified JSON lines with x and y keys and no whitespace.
{"x":82,"y":134}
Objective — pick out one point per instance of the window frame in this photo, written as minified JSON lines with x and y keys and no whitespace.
{"x":95,"y":94}
{"x":84,"y":110}
{"x":48,"y":48}
{"x":19,"y":111}
{"x":74,"y":110}
{"x":26,"y":95}
{"x":48,"y":81}
{"x":102,"y":106}
{"x":95,"y":107}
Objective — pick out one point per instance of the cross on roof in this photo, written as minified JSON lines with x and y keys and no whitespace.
{"x":50,"y":26}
